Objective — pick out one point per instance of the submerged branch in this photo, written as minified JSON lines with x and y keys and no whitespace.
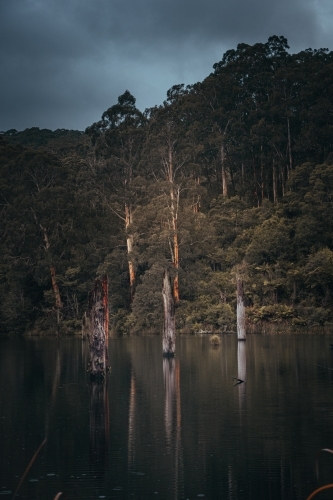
{"x":29,"y":467}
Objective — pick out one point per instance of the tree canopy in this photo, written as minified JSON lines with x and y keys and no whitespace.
{"x":231,"y":175}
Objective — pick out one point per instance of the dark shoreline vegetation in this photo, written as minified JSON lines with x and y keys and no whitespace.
{"x":230,"y":176}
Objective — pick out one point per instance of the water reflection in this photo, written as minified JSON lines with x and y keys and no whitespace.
{"x":179,"y":427}
{"x":99,"y":424}
{"x":172,"y":420}
{"x":241,"y":364}
{"x":131,"y":424}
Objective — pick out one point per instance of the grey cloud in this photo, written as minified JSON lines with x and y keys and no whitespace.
{"x":63,"y":62}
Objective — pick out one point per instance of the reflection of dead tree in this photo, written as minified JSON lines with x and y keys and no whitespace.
{"x":99,"y":423}
{"x":131,"y":423}
{"x":98,"y":334}
{"x":170,"y":399}
{"x":172,"y":417}
{"x":241,"y":362}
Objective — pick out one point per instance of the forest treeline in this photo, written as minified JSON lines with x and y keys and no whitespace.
{"x":229,"y":176}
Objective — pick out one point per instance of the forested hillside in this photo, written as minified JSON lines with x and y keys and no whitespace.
{"x":232,"y":175}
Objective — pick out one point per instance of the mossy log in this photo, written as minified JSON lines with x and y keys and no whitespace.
{"x":98,"y":331}
{"x":169,"y":328}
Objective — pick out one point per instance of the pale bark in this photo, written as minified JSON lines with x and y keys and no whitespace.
{"x":223,"y":166}
{"x":262,"y":176}
{"x":224,"y":173}
{"x":274,"y":185}
{"x":241,"y":331}
{"x":243,"y":175}
{"x":196,"y":204}
{"x":129,"y":243}
{"x":98,"y":335}
{"x":174,"y":207}
{"x":289,"y":148}
{"x":169,"y":329}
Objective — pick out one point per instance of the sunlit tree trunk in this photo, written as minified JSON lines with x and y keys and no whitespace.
{"x":290,"y":166}
{"x":274,"y":185}
{"x":169,"y":328}
{"x":262,"y":174}
{"x":241,"y":331}
{"x":129,"y":242}
{"x":196,"y":204}
{"x":223,"y":162}
{"x":174,"y":207}
{"x":58,"y":302}
{"x":98,"y":335}
{"x":224,"y":173}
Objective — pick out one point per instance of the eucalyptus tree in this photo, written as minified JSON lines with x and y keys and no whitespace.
{"x":118,"y":140}
{"x":169,"y":154}
{"x":36,"y":220}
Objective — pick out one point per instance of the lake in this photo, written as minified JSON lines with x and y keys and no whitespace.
{"x":159,"y":428}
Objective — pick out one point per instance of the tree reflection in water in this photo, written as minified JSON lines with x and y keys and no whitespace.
{"x":99,"y":424}
{"x":172,"y":420}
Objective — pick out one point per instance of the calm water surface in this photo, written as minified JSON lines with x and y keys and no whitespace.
{"x":168,"y":429}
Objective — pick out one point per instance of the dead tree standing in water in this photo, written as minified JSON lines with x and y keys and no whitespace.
{"x":169,"y":329}
{"x":98,"y":334}
{"x":241,"y":331}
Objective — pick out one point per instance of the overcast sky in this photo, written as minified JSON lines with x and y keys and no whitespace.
{"x":64,"y":62}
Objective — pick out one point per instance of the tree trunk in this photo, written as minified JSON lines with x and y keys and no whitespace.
{"x":169,"y":330}
{"x":174,"y":215}
{"x":129,"y":242}
{"x":98,"y":335}
{"x":59,"y":304}
{"x":274,"y":185}
{"x":224,"y":173}
{"x":241,"y":331}
{"x":290,"y":167}
{"x":176,"y":264}
{"x":262,"y":175}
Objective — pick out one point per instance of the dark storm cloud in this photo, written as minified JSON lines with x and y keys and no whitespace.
{"x":63,"y":62}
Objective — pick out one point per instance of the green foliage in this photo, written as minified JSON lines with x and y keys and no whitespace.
{"x":234,"y":172}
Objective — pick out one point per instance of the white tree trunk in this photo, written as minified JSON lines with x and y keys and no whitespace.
{"x":241,"y":331}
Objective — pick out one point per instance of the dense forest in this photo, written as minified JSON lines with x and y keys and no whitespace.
{"x":229,"y":176}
